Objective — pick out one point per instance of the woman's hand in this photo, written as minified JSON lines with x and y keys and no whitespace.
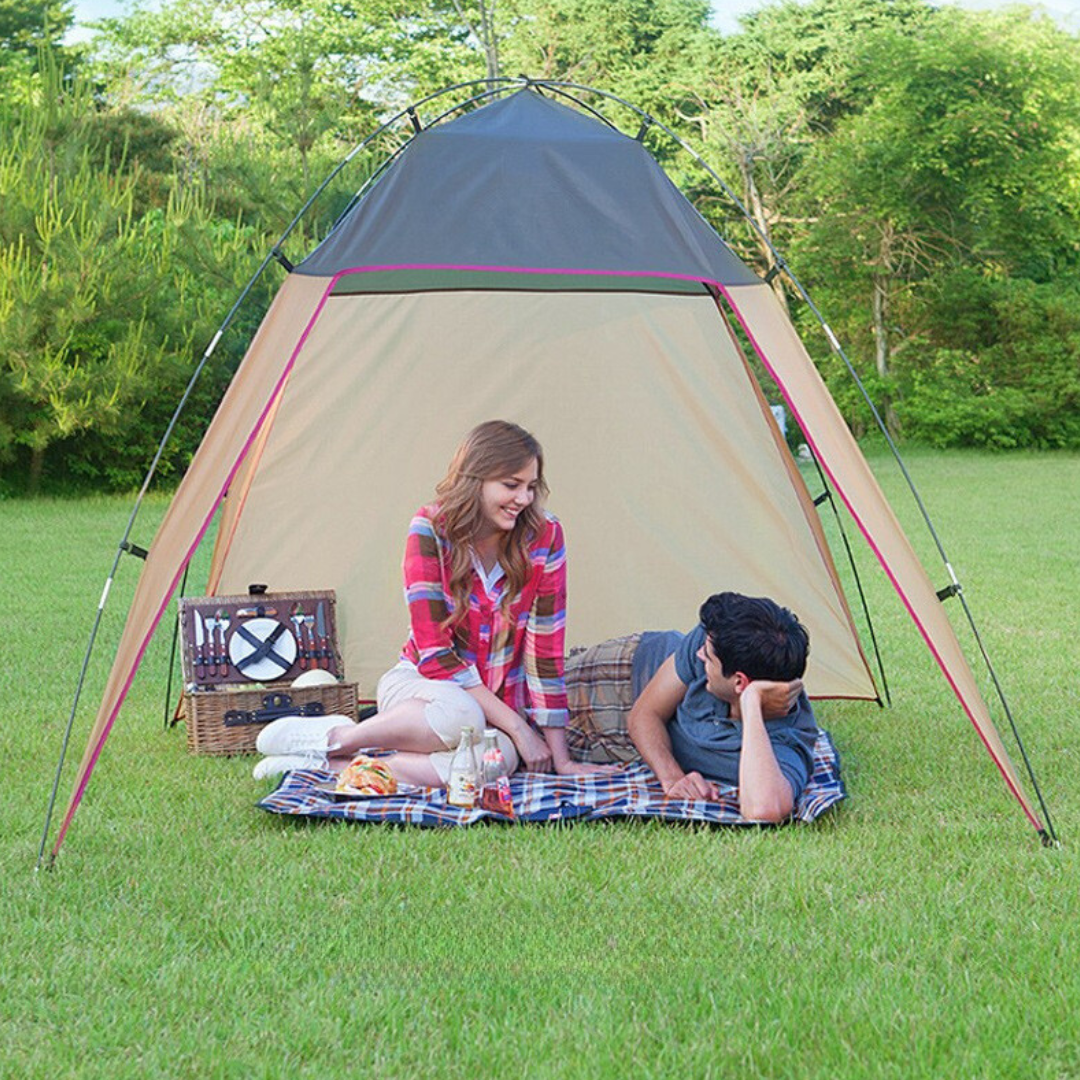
{"x":534,"y":751}
{"x":583,"y":768}
{"x":564,"y":763}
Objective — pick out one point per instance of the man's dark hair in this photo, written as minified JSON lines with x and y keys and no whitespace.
{"x":756,"y":636}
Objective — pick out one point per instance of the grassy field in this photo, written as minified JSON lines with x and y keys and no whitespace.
{"x":920,"y":931}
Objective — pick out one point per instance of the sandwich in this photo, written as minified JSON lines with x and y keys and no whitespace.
{"x":366,"y":776}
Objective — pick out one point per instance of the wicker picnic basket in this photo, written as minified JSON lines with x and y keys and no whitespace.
{"x":240,"y":656}
{"x":211,"y":731}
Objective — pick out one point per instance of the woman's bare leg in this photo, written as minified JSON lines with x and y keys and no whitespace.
{"x":410,"y":768}
{"x":401,"y":727}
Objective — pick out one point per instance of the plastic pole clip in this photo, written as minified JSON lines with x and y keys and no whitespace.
{"x":134,"y":549}
{"x":774,"y":270}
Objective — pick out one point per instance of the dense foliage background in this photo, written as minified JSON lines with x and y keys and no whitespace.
{"x":918,"y":167}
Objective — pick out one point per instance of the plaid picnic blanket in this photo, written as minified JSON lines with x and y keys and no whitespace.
{"x":632,"y":792}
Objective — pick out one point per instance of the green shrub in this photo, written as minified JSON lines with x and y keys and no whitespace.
{"x":1007,"y":374}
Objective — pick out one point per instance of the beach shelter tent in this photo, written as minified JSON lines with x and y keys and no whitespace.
{"x":527,"y":261}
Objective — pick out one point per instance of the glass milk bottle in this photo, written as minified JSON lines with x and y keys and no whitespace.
{"x":464,"y":784}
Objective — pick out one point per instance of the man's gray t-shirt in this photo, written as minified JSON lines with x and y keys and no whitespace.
{"x":703,"y":736}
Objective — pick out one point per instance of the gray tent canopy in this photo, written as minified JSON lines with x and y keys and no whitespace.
{"x":527,"y":260}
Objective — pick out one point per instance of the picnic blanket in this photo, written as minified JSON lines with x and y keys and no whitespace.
{"x":632,"y":792}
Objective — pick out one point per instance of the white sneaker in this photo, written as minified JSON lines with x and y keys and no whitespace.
{"x":298,"y":735}
{"x":283,"y":763}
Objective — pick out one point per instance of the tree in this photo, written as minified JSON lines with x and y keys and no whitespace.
{"x":482,"y":27}
{"x":964,"y":155}
{"x":630,"y":47}
{"x":27,"y":25}
{"x":773,"y":90}
{"x":100,"y":304}
{"x":303,"y":70}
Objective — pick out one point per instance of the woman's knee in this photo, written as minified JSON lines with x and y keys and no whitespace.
{"x":452,"y":711}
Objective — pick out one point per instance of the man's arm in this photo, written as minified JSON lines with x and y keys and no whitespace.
{"x":764,"y":792}
{"x":647,"y":725}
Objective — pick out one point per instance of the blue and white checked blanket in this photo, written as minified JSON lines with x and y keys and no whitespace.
{"x":633,"y":792}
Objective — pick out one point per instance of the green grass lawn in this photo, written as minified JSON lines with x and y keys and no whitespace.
{"x":919,"y":931}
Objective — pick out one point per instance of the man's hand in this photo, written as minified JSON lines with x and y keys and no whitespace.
{"x":692,"y":786}
{"x":777,"y":698}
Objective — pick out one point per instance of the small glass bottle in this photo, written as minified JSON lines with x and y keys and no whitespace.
{"x":464,"y":784}
{"x":495,"y":789}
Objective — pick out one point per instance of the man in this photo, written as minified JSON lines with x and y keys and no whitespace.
{"x":728,"y":706}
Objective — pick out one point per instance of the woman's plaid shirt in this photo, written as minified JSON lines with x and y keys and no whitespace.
{"x":517,"y":655}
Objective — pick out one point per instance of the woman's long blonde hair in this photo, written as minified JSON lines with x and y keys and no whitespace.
{"x":492,"y":451}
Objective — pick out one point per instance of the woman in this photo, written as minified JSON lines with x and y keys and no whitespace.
{"x":485,"y":583}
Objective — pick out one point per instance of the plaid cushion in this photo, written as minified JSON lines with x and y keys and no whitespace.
{"x":599,"y":692}
{"x":634,"y":792}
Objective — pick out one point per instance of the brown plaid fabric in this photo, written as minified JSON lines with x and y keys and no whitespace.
{"x":600,"y":692}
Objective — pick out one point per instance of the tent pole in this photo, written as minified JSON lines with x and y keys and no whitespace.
{"x":494,"y":87}
{"x":858,"y":580}
{"x":388,"y":161}
{"x":124,"y":544}
{"x":171,"y":719}
{"x":1052,"y":837}
{"x":74,"y":706}
{"x":780,"y":264}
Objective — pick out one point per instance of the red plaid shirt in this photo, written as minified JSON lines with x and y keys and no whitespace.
{"x":517,"y":655}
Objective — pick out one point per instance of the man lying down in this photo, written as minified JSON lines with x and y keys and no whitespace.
{"x":725,"y":704}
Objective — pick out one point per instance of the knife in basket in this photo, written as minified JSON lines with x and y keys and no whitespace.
{"x":320,"y":629}
{"x":200,"y":641}
{"x":298,"y":621}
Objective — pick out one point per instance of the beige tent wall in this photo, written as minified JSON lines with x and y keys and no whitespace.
{"x":198,"y":496}
{"x":805,"y":499}
{"x":784,"y":354}
{"x":236,"y":496}
{"x":667,"y":479}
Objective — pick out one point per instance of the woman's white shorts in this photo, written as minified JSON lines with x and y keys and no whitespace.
{"x":449,"y":708}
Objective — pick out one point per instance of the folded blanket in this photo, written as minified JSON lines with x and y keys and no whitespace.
{"x":632,"y":792}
